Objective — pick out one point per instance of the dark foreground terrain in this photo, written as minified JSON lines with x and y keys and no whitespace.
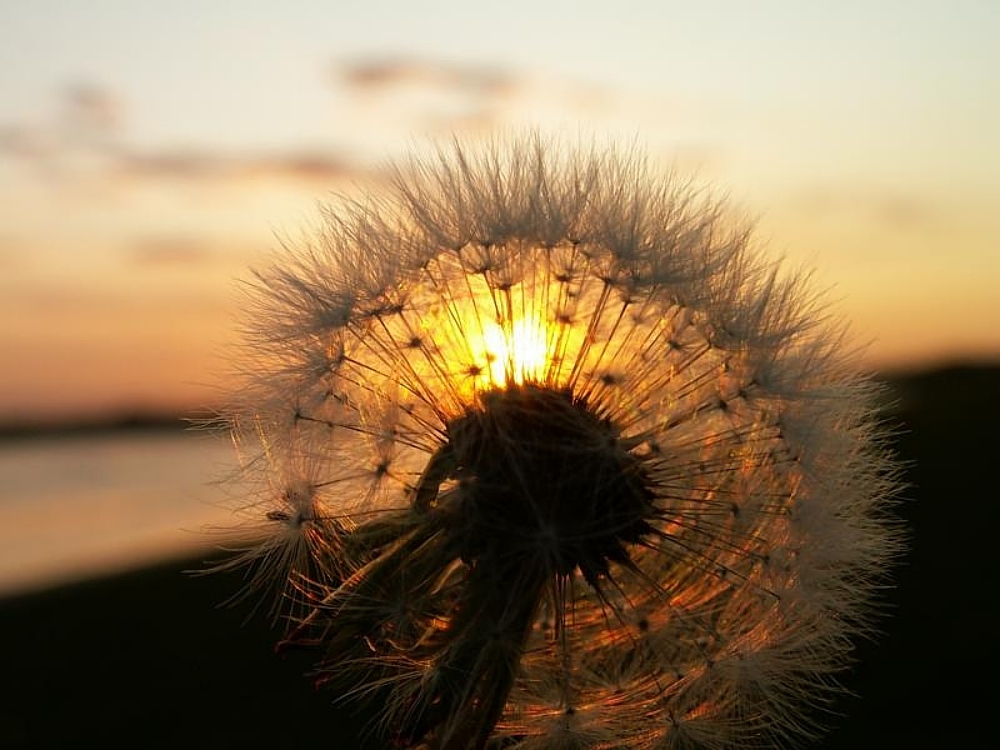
{"x":147,"y":660}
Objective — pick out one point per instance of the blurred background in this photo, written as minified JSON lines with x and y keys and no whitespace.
{"x":152,"y":153}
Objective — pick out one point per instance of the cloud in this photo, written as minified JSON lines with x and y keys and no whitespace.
{"x":26,"y":143}
{"x":434,"y":95}
{"x":201,"y":165}
{"x":885,"y":207}
{"x":86,"y":135}
{"x":85,"y":138}
{"x":155,"y":251}
{"x":87,"y":119}
{"x":385,"y":73}
{"x":90,"y":108}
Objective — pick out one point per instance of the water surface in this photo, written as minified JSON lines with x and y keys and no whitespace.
{"x":75,"y":507}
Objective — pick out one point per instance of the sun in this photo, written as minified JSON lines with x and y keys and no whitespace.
{"x":519,"y":354}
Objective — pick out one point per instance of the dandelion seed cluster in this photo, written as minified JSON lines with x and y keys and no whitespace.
{"x":550,"y":457}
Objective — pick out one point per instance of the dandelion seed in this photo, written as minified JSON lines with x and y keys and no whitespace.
{"x":587,"y":471}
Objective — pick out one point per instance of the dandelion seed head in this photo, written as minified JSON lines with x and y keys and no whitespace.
{"x":569,"y":463}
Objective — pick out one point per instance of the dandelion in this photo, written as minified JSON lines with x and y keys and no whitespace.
{"x":555,"y":459}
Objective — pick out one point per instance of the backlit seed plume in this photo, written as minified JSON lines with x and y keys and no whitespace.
{"x":550,"y":457}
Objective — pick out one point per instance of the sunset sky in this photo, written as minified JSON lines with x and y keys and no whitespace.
{"x":150,"y":153}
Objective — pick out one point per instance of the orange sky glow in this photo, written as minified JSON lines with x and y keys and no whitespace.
{"x":136,"y":188}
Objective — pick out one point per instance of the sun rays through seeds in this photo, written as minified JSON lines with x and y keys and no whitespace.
{"x":551,"y":457}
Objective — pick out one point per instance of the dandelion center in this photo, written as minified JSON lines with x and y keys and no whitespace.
{"x":542,"y":478}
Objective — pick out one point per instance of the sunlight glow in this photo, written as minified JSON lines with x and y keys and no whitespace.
{"x":517,"y":355}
